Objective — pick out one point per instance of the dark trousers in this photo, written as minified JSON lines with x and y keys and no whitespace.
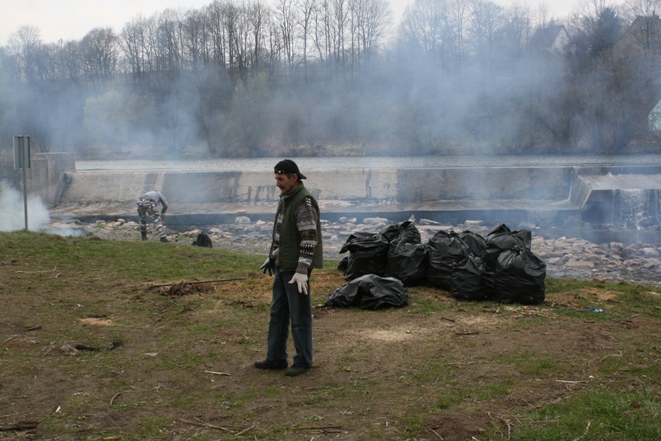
{"x":288,"y":305}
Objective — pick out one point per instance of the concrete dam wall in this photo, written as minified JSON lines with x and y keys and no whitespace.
{"x":356,"y":185}
{"x":545,"y":195}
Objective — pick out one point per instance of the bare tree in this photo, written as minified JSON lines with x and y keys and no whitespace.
{"x":69,"y":60}
{"x":486,"y":21}
{"x":640,"y":8}
{"x":426,"y":27}
{"x":644,"y":32}
{"x":459,"y":11}
{"x":308,"y":8}
{"x":194,"y":35}
{"x":218,"y":33}
{"x":287,"y":19}
{"x":24,"y":45}
{"x":517,"y":30}
{"x":260,"y":17}
{"x":169,"y":43}
{"x":231,"y":17}
{"x":99,"y":48}
{"x":321,"y":34}
{"x":134,"y":42}
{"x":339,"y":22}
{"x":9,"y":67}
{"x":371,"y":19}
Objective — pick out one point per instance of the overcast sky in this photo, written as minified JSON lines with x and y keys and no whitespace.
{"x":72,"y":19}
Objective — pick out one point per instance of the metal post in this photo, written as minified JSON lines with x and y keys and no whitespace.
{"x":22,"y":160}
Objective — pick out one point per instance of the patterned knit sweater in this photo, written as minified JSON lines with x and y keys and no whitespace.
{"x":307,"y":224}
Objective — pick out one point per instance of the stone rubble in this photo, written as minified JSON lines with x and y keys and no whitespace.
{"x":564,"y":256}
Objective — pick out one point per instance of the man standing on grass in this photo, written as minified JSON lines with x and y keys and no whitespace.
{"x":296,"y":249}
{"x":147,"y":205}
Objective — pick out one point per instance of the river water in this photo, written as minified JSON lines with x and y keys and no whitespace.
{"x":339,"y":162}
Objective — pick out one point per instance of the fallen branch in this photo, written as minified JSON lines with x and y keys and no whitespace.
{"x":210,"y":426}
{"x":572,"y":381}
{"x":587,"y":428}
{"x":217,"y":373}
{"x":21,"y":425}
{"x":435,"y":433}
{"x":466,"y":333}
{"x":35,"y":272}
{"x":450,"y":320}
{"x":509,"y":427}
{"x":244,"y":430}
{"x":507,"y":423}
{"x":317,"y":428}
{"x":12,"y":337}
{"x":619,"y":354}
{"x":196,"y":282}
{"x":113,"y":398}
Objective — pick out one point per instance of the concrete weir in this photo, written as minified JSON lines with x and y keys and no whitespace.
{"x":547,"y":196}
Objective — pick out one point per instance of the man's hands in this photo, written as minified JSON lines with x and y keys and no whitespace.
{"x":269,"y":266}
{"x":301,"y":280}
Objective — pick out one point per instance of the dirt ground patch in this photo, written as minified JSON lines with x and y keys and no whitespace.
{"x":92,"y":357}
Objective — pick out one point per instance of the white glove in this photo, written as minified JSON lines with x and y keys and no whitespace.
{"x":301,"y":280}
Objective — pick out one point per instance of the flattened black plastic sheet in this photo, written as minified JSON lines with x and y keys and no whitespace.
{"x":368,"y":253}
{"x":370,"y":292}
{"x":520,"y":277}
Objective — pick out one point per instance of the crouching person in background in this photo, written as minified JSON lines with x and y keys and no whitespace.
{"x":148,"y":205}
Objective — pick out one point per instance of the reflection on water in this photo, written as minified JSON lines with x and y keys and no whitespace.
{"x":366,"y":162}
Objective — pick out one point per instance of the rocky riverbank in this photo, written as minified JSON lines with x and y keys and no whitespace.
{"x":564,"y":256}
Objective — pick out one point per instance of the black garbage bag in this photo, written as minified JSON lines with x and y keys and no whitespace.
{"x":406,"y":231}
{"x":520,"y":277}
{"x":370,"y":292}
{"x":407,"y":262}
{"x":203,"y":240}
{"x":343,"y":264}
{"x":501,"y":238}
{"x":368,"y":253}
{"x":475,"y":242}
{"x":445,"y":250}
{"x":407,"y":256}
{"x":472,"y":281}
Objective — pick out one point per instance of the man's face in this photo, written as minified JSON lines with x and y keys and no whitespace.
{"x":286,"y":183}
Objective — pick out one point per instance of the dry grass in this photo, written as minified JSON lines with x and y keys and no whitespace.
{"x":175,"y":361}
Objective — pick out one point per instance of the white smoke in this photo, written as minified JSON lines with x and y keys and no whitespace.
{"x":12,"y":210}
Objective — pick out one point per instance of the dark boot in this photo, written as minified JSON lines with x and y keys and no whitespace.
{"x":144,"y":235}
{"x":164,"y":239}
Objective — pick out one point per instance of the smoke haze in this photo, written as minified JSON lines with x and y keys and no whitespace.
{"x":233,"y":79}
{"x":12,"y":210}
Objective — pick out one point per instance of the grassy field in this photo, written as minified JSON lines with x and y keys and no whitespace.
{"x":110,"y":340}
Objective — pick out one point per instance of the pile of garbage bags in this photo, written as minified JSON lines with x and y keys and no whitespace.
{"x":500,"y":267}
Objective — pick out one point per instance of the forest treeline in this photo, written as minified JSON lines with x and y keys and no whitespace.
{"x":317,"y":77}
